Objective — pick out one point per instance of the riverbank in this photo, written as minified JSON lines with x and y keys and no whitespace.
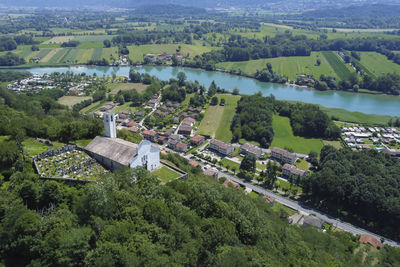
{"x":364,"y":103}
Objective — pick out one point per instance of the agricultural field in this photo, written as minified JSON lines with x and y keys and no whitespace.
{"x":71,"y":100}
{"x":97,"y":52}
{"x":166,"y":174}
{"x":84,"y":55}
{"x":59,"y":40}
{"x":342,"y":70}
{"x":217,"y":120}
{"x":377,"y":63}
{"x":110,"y":53}
{"x":136,"y":52}
{"x":287,"y":66}
{"x":284,"y":137}
{"x":92,"y":38}
{"x":52,"y":53}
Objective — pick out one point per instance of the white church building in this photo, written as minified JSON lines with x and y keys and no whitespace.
{"x":114,"y":153}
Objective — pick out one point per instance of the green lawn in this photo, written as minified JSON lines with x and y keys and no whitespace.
{"x":166,"y":174}
{"x":356,"y":117}
{"x":253,"y":194}
{"x":285,"y":66}
{"x":217,"y":119}
{"x":227,"y":162}
{"x":377,"y":63}
{"x":82,"y":142}
{"x":33,"y":147}
{"x":284,"y":137}
{"x":302,"y":164}
{"x":278,"y":206}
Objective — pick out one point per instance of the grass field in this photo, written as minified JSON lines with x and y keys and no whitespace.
{"x":166,"y":174}
{"x":34,"y":148}
{"x":301,"y":164}
{"x":335,"y":144}
{"x":231,"y":164}
{"x":284,"y":137}
{"x":287,"y":66}
{"x":71,"y":100}
{"x":43,"y":53}
{"x":69,"y":56}
{"x":278,"y":206}
{"x":58,"y":55}
{"x":109,"y":53}
{"x":217,"y":119}
{"x":341,"y":69}
{"x":84,"y":55}
{"x":136,"y":52}
{"x":116,"y":87}
{"x":97,"y":53}
{"x":356,"y":117}
{"x":47,"y":57}
{"x":377,"y":63}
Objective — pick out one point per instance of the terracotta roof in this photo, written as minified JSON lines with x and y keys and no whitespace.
{"x":131,"y":124}
{"x":269,"y":199}
{"x":149,"y":133}
{"x":185,"y":128}
{"x":181,"y":145}
{"x":197,"y":138}
{"x":369,"y":239}
{"x":194,"y":163}
{"x":189,"y":121}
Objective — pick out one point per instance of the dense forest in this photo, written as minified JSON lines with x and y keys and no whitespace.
{"x":119,"y":222}
{"x":365,"y":185}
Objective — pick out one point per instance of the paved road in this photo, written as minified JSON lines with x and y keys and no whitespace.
{"x":296,"y":206}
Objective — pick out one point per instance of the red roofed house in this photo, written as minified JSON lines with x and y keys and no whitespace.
{"x":150,"y":135}
{"x":188,"y":121}
{"x":369,"y":239}
{"x":197,"y":140}
{"x":181,"y":147}
{"x":194,"y":163}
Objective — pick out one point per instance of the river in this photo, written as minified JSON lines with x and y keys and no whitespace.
{"x":365,"y":103}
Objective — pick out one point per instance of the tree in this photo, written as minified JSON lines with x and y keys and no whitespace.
{"x":235,"y":91}
{"x":222,"y":102}
{"x":181,"y":78}
{"x":107,"y":43}
{"x":214,"y":101}
{"x":212,"y":90}
{"x":318,"y":62}
{"x":248,"y":163}
{"x":313,"y":158}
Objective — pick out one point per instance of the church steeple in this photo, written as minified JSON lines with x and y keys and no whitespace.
{"x":109,"y":125}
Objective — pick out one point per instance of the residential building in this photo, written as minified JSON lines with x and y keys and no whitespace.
{"x":189,"y":121}
{"x":181,"y":147}
{"x":369,"y":239}
{"x":291,"y":171}
{"x":313,"y":221}
{"x":221,"y":147}
{"x":197,"y":140}
{"x":229,"y":183}
{"x":283,"y":155}
{"x":185,"y":130}
{"x":252,"y":150}
{"x":150,"y":135}
{"x":211,"y":172}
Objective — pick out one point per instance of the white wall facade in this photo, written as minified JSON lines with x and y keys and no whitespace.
{"x":147,"y":156}
{"x":109,"y":125}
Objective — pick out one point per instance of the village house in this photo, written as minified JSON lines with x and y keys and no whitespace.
{"x":181,"y":147}
{"x":194,"y":163}
{"x":188,"y":121}
{"x":139,"y":114}
{"x":162,"y":140}
{"x":153,"y":102}
{"x":369,"y":239}
{"x":107,"y":107}
{"x":283,"y":156}
{"x":252,"y":150}
{"x":150,"y":135}
{"x":185,"y":130}
{"x":123,"y":114}
{"x":173,"y":140}
{"x":291,"y":171}
{"x":197,"y":140}
{"x":221,"y":147}
{"x":313,"y":221}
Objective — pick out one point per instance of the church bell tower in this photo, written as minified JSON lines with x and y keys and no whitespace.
{"x":109,"y":125}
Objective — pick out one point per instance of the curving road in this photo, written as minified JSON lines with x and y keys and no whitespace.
{"x":296,"y":206}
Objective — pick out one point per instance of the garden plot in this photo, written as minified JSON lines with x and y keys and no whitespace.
{"x":68,"y":163}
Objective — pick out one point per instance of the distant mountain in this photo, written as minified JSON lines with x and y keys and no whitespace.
{"x":274,"y":5}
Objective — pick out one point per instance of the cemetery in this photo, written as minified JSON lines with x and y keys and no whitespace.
{"x":69,"y":163}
